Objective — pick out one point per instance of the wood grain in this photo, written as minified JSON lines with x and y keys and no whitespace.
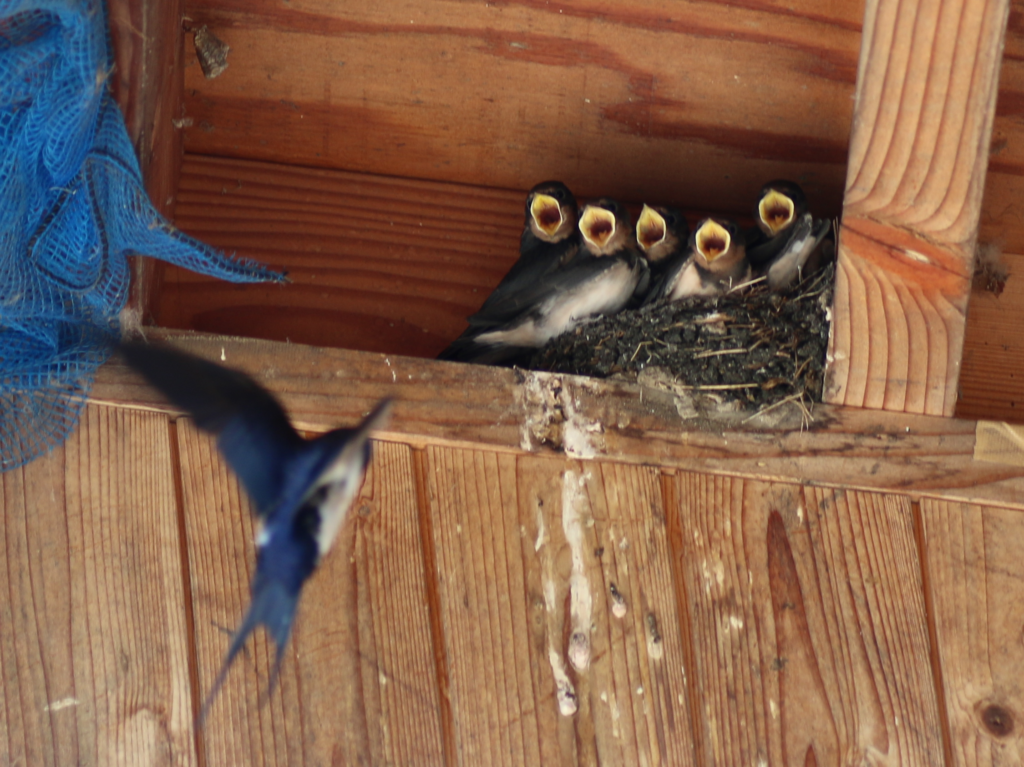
{"x":809,"y":625}
{"x":93,"y":641}
{"x":1001,"y":219}
{"x":365,"y":277}
{"x":991,"y":377}
{"x":976,"y":586}
{"x":630,"y":101}
{"x":376,"y":263}
{"x":474,"y":406}
{"x":358,"y":683}
{"x":926,"y":95}
{"x":541,"y":668}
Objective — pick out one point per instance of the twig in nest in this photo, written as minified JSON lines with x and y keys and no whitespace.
{"x":640,"y":346}
{"x":719,"y":353}
{"x":798,"y":398}
{"x":718,"y":387}
{"x":747,"y":284}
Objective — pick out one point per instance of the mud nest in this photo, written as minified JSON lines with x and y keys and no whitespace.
{"x":754,"y":348}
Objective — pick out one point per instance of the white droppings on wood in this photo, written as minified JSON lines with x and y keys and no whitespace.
{"x":57,"y":705}
{"x":579,"y":434}
{"x":541,"y":530}
{"x":549,"y":595}
{"x":581,"y":603}
{"x":565,"y":692}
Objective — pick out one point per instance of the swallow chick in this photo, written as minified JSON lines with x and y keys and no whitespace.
{"x":716,"y":263}
{"x":662,"y":234}
{"x":550,"y":240}
{"x":600,"y":279}
{"x":787,"y":243}
{"x":301,"y":489}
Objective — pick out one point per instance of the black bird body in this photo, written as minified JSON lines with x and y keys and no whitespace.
{"x":716,"y":262}
{"x":787,"y":242}
{"x":663,"y":235}
{"x":557,"y":293}
{"x":301,"y":489}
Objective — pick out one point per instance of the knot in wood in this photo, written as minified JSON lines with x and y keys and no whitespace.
{"x":998,"y":721}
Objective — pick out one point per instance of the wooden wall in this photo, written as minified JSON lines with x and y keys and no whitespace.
{"x":489,"y":604}
{"x":381,"y":155}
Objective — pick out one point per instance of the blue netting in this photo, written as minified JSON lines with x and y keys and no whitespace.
{"x":72,"y":208}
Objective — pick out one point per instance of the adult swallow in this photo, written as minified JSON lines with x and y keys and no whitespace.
{"x":716,"y":263}
{"x":301,"y":489}
{"x":662,"y":234}
{"x":600,"y":279}
{"x":786,"y":244}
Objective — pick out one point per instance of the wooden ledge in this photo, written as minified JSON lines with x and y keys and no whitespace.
{"x":442,"y":403}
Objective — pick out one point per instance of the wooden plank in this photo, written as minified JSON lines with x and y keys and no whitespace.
{"x":93,"y":640}
{"x":377,"y":264}
{"x":809,"y":624}
{"x":926,"y":97}
{"x":358,"y":682}
{"x":1001,"y":219}
{"x":619,"y":100}
{"x":541,"y":670}
{"x":991,"y":382}
{"x":148,"y":83}
{"x":976,"y":588}
{"x":474,"y":406}
{"x":390,"y":253}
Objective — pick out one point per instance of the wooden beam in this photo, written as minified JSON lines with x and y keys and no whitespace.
{"x":94,"y":654}
{"x":148,"y":83}
{"x":808,"y":620}
{"x":975,"y":588}
{"x":441,"y":403}
{"x":926,"y":92}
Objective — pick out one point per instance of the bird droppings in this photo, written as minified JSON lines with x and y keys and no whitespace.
{"x":579,"y":651}
{"x":752,"y":349}
{"x":581,"y":603}
{"x":565,"y":693}
{"x":655,"y":649}
{"x":57,"y":705}
{"x":618,"y":602}
{"x":540,"y":529}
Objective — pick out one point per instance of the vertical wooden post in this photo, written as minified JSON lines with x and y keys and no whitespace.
{"x":926,"y":94}
{"x":148,"y":83}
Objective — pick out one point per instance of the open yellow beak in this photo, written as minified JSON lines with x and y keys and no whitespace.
{"x":650,"y":228}
{"x":712,"y":240}
{"x":597,"y":225}
{"x":547,"y":213}
{"x":776,"y":211}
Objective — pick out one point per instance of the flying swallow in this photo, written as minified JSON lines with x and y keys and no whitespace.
{"x":301,"y":489}
{"x":716,"y":263}
{"x":662,"y":234}
{"x":600,"y":279}
{"x":786,"y":244}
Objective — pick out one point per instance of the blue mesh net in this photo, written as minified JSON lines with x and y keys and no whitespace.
{"x":72,"y":209}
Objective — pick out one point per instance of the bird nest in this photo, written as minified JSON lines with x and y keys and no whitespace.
{"x":753,"y":349}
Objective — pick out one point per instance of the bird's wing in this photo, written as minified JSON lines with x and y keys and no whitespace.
{"x":518,"y":288}
{"x":252,"y":429}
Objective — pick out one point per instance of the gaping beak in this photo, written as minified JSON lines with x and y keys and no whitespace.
{"x":712,"y":240}
{"x":650,"y":228}
{"x":547,"y":213}
{"x":597,"y":225}
{"x":776,"y":211}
